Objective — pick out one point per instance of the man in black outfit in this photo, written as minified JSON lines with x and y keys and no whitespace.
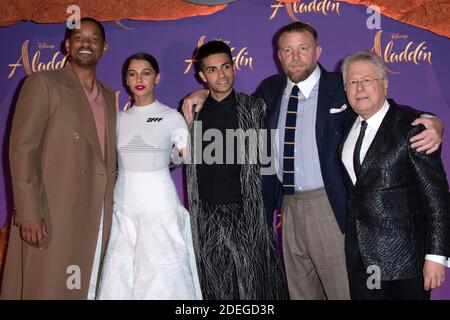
{"x":398,"y":223}
{"x":236,"y":252}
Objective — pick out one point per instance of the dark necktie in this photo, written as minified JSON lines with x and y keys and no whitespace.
{"x":289,"y":143}
{"x":357,"y":152}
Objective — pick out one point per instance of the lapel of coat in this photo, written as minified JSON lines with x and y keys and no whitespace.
{"x":324,"y":100}
{"x":347,"y":127}
{"x":378,"y":144}
{"x":244,"y":114}
{"x":245,"y":122}
{"x":82,"y":111}
{"x":110,"y":126}
{"x":278,"y":98}
{"x":249,"y":118}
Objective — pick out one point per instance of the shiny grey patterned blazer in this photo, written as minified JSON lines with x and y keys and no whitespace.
{"x":400,"y":205}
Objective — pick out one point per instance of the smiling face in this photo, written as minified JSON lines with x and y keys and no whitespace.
{"x":298,"y":53}
{"x":365,"y":99}
{"x":218,"y":73}
{"x":86,"y":45}
{"x":141,"y":79}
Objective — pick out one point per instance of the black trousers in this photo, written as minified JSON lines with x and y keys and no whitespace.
{"x":358,"y":276}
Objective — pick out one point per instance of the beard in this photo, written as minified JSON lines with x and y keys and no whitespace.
{"x":298,"y":76}
{"x":85,"y":63}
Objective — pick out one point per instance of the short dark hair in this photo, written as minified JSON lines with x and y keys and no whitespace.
{"x":140,"y":56}
{"x":297,"y":26}
{"x":210,"y":48}
{"x":87,"y":19}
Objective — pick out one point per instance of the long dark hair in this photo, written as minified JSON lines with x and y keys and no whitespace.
{"x":137,"y":56}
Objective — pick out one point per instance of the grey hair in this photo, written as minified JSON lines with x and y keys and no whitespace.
{"x":365,"y":56}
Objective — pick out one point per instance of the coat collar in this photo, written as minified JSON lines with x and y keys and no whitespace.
{"x":377,"y":147}
{"x":82,"y":110}
{"x":327,"y":91}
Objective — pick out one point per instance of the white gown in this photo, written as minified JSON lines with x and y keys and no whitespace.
{"x":150,"y":253}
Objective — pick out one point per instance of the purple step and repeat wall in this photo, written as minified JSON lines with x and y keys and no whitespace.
{"x":417,"y":59}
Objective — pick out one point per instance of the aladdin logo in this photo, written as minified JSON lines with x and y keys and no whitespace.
{"x":411,"y":52}
{"x":57,"y":61}
{"x":241,"y":56}
{"x":293,"y":8}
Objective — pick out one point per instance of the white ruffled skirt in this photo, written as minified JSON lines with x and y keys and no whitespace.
{"x":150,"y":253}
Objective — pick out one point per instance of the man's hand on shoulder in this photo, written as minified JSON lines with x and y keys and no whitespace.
{"x":429,"y":139}
{"x":34,"y":232}
{"x":196,"y":98}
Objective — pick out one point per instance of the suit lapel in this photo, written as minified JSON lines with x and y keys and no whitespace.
{"x":274,"y":116}
{"x":378,"y":144}
{"x":82,"y":111}
{"x":324,"y":100}
{"x":347,"y":127}
{"x":243,"y":114}
{"x":110,"y":114}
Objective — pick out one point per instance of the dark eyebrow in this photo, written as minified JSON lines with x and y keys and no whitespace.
{"x":79,"y":31}
{"x":146,"y":69}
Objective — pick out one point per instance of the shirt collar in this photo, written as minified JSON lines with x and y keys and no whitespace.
{"x":375,"y":120}
{"x":308,"y":84}
{"x":212,"y":103}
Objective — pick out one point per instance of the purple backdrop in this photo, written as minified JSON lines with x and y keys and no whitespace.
{"x":417,"y":58}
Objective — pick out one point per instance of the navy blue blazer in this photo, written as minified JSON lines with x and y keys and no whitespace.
{"x":329,"y":133}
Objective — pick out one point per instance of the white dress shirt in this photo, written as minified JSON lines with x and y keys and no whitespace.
{"x":306,"y":85}
{"x":373,"y":123}
{"x":308,"y":174}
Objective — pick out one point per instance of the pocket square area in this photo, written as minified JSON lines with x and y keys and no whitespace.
{"x":337,"y":110}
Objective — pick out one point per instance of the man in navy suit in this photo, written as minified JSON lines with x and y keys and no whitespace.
{"x":398,"y":230}
{"x":307,"y":105}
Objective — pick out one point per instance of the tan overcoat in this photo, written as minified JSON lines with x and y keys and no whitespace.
{"x":59,"y":174}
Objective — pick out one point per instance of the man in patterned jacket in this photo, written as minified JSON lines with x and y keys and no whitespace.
{"x":236,"y":252}
{"x":398,"y":223}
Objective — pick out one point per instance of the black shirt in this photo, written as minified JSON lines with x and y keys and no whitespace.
{"x":219,"y":182}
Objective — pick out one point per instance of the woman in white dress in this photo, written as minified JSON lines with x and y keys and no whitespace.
{"x":150,"y":253}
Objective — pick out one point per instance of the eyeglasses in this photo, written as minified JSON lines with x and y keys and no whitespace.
{"x":364,"y":82}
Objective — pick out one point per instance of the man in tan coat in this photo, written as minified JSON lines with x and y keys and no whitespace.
{"x":63,"y":166}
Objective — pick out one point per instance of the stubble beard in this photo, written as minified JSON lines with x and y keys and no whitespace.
{"x":86,"y":64}
{"x":297,"y":77}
